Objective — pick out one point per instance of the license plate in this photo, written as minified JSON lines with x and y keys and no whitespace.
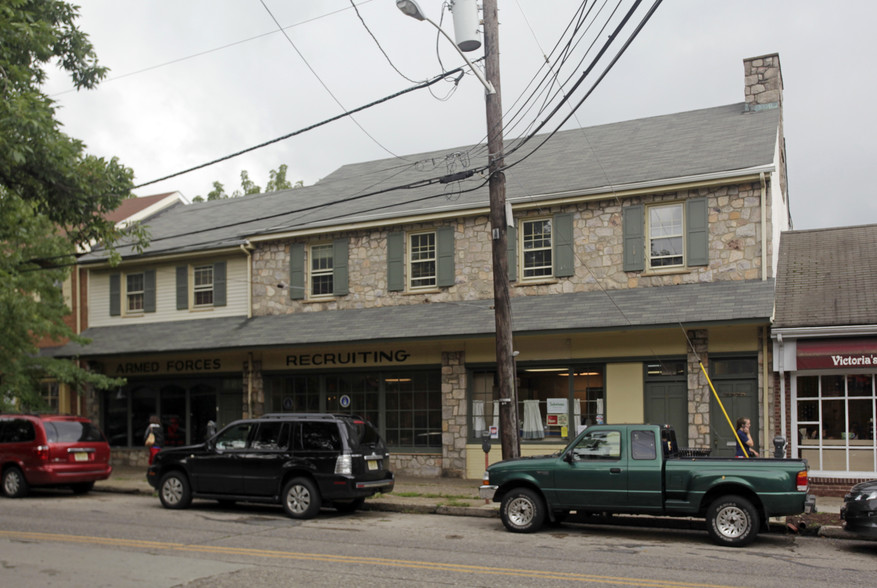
{"x":81,"y":456}
{"x":372,"y":465}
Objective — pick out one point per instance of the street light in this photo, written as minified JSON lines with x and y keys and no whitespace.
{"x":412,"y":9}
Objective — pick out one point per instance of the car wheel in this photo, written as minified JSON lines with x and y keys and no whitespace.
{"x":348,"y":505}
{"x":14,"y":484}
{"x":522,"y":510}
{"x":301,"y":499}
{"x":732,"y":521}
{"x":173,"y":491}
{"x":82,"y":487}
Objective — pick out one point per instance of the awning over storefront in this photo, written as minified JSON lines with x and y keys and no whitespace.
{"x":842,"y":354}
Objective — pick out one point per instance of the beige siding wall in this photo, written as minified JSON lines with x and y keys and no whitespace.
{"x":166,"y":295}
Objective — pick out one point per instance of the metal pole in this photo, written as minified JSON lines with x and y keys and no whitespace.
{"x":508,"y":411}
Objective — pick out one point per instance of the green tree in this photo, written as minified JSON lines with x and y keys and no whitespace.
{"x":277,"y":181}
{"x":54,"y":197}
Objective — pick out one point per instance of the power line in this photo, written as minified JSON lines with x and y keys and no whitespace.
{"x":322,"y":83}
{"x":305,"y":129}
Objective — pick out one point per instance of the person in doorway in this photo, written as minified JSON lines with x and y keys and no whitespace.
{"x":743,"y":426}
{"x":153,"y":437}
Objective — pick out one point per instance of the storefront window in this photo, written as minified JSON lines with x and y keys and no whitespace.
{"x":835,"y":421}
{"x":554,"y":403}
{"x":405,"y":406}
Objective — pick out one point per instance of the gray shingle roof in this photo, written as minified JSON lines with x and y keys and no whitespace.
{"x":827,"y":277}
{"x":595,"y":159}
{"x":691,"y":305}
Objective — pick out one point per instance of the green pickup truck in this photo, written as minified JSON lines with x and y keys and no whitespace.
{"x":638,"y":469}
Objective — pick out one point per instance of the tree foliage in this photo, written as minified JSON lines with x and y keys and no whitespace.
{"x":276,"y":181}
{"x":54,"y":195}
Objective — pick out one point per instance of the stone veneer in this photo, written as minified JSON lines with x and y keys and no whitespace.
{"x":763,"y":80}
{"x":735,"y":250}
{"x":699,"y":392}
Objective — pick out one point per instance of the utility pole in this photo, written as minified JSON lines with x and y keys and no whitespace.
{"x":505,"y":365}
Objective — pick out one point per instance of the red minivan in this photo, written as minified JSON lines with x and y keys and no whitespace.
{"x":51,"y":450}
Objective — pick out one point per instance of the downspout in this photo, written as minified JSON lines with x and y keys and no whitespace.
{"x":782,"y":389}
{"x":766,"y":396}
{"x":764,"y":233}
{"x":247,"y":249}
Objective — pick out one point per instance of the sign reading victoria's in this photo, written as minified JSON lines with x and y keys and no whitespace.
{"x":842,"y":354}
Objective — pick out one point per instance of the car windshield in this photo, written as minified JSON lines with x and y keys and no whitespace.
{"x":72,"y":432}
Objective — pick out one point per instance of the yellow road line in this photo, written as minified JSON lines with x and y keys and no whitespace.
{"x":348,"y":559}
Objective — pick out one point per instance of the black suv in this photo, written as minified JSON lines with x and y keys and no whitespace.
{"x":302,"y":461}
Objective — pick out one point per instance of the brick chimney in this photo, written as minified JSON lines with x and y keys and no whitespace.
{"x":763,"y":82}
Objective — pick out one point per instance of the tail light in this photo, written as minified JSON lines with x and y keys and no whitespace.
{"x":344,"y":465}
{"x":802,"y":482}
{"x":42,"y":452}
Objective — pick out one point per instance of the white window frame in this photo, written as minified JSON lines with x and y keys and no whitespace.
{"x":319,"y":273}
{"x":133,"y":295}
{"x":203,"y":288}
{"x":420,"y":257}
{"x":528,"y":245}
{"x":665,"y":231}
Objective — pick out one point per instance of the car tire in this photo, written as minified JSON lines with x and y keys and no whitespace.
{"x":348,"y":505}
{"x":174,"y":491}
{"x":14,"y":483}
{"x":301,"y":499}
{"x":82,"y":487}
{"x":522,"y":510}
{"x":732,"y":521}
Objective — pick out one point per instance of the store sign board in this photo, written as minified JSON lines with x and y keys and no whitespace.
{"x":840,"y":354}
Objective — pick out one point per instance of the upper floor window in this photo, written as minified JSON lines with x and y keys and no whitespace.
{"x":134,"y":292}
{"x":536,"y":249}
{"x":666,"y":236}
{"x":422,"y":260}
{"x":666,"y":246}
{"x":428,"y":262}
{"x":322,"y":274}
{"x":203,"y":285}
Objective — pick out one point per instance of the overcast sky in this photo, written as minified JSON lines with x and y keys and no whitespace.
{"x":193,"y":81}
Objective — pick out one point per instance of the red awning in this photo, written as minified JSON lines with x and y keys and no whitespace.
{"x":841,"y":354}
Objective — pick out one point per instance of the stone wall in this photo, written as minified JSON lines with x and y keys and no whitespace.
{"x":735,"y":250}
{"x":699,"y":392}
{"x":455,"y":412}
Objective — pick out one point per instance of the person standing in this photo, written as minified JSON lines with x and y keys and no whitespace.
{"x":153,"y":437}
{"x":743,"y":426}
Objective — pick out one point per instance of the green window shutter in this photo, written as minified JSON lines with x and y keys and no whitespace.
{"x":395,"y":262}
{"x":445,"y":256}
{"x":297,"y":271}
{"x":220,"y":284}
{"x":149,"y":291}
{"x":564,"y":253}
{"x":697,"y":232}
{"x":115,"y":295}
{"x":182,"y":287}
{"x":633,"y":226}
{"x":339,"y":267}
{"x":512,"y":248}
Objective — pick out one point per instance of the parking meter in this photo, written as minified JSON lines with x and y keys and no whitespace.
{"x":485,"y":443}
{"x":779,"y":446}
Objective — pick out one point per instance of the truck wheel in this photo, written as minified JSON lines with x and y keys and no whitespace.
{"x":301,"y":499}
{"x":732,"y":521}
{"x":522,"y":511}
{"x":173,"y":491}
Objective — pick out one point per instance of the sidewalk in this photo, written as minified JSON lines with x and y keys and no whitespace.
{"x":447,"y":496}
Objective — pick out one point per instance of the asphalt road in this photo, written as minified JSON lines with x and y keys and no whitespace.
{"x":106,"y":539}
